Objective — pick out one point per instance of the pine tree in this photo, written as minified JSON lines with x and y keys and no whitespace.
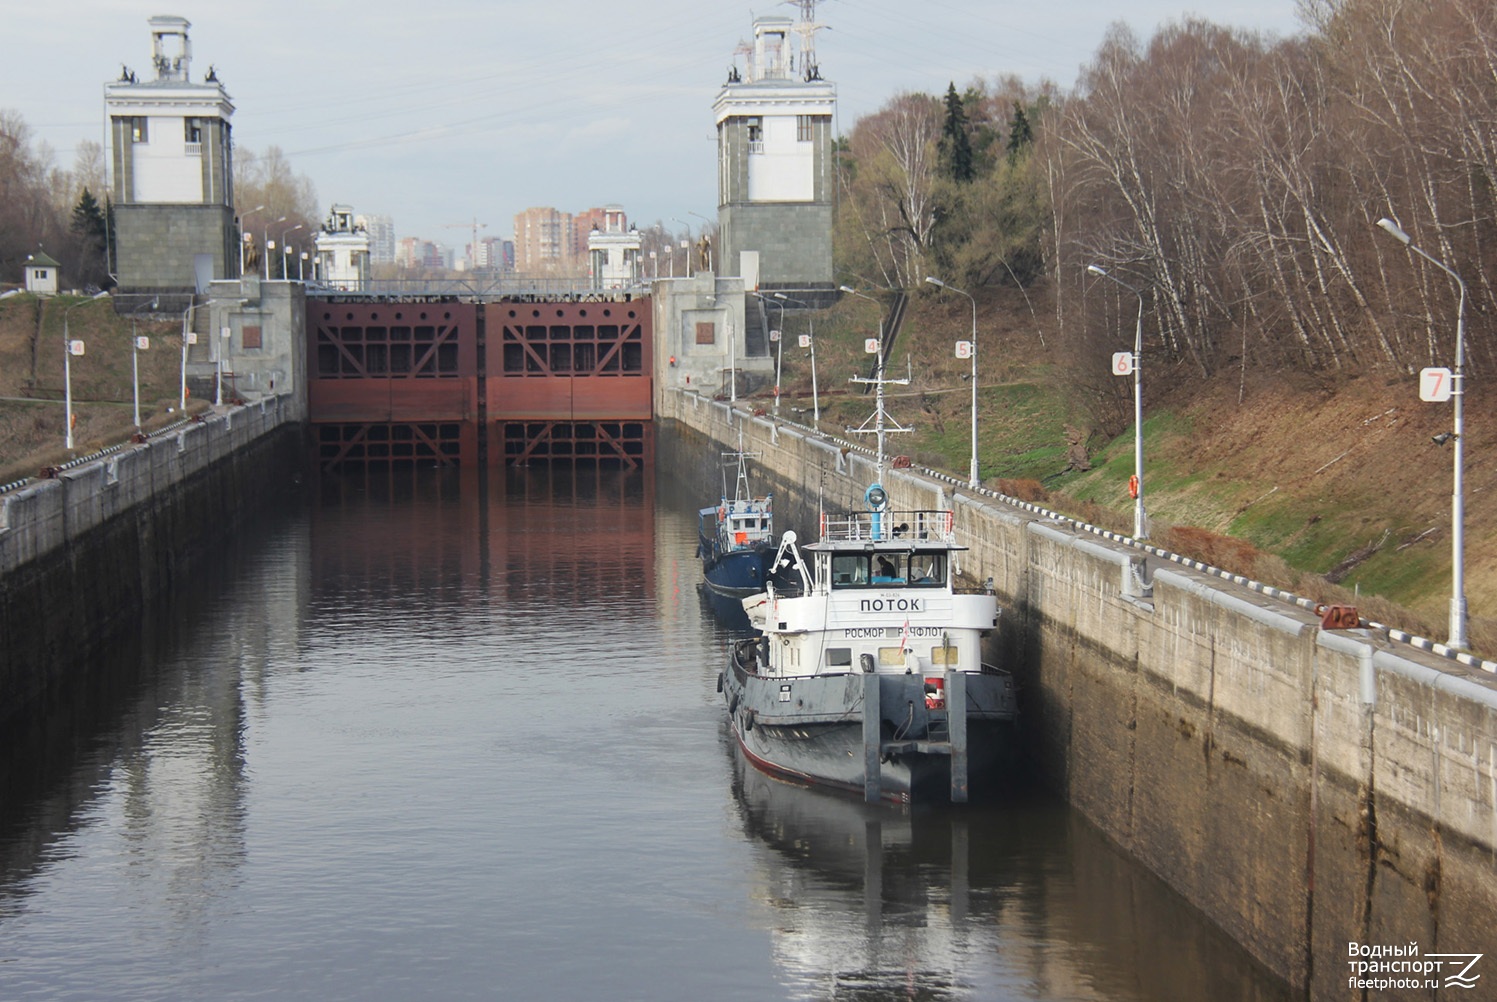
{"x":1020,"y":132}
{"x":89,"y":226}
{"x":956,"y":144}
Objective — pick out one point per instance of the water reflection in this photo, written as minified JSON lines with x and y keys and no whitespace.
{"x":150,"y":746}
{"x":1022,"y":901}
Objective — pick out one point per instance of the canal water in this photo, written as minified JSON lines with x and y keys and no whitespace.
{"x":460,"y":741}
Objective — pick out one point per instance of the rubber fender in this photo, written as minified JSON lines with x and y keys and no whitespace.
{"x":733,"y":704}
{"x":719,"y":681}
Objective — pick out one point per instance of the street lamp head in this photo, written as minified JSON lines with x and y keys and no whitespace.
{"x":935,"y":281}
{"x":1442,"y":438}
{"x":1394,"y":230}
{"x":1096,"y":270}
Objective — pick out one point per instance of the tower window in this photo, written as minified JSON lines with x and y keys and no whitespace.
{"x":194,"y":129}
{"x":138,"y":130}
{"x":756,"y":135}
{"x":805,"y":128}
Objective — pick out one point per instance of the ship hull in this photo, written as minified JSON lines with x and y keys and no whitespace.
{"x":811,"y":730}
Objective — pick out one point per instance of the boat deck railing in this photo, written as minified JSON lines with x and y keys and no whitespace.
{"x":931,"y":525}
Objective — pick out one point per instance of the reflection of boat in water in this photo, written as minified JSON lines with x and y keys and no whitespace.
{"x":1022,"y":900}
{"x":867,"y":905}
{"x":727,"y":610}
{"x":869,"y":677}
{"x":735,"y":539}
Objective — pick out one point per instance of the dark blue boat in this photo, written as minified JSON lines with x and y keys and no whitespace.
{"x":735,"y":539}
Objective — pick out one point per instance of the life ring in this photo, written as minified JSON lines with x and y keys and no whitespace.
{"x":1133,"y":486}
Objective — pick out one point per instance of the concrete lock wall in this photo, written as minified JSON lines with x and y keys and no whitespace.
{"x":83,"y":554}
{"x":1305,"y":789}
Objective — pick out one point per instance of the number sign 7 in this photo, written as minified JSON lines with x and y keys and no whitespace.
{"x":1434,"y":384}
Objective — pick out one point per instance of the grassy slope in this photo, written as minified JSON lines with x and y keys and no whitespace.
{"x":1320,"y":479}
{"x":31,"y":378}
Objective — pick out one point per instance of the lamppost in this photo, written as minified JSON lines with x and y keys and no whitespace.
{"x":67,"y":364}
{"x":686,"y":269}
{"x":862,"y":295}
{"x":972,"y":475}
{"x":300,"y":261}
{"x":242,"y":218}
{"x":1458,"y":616}
{"x":186,"y":335}
{"x":286,"y":250}
{"x":778,"y":337}
{"x":268,"y":245}
{"x":810,"y":343}
{"x":1135,"y":363}
{"x":135,"y":340}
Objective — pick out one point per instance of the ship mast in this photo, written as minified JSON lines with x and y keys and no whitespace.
{"x":883,"y":424}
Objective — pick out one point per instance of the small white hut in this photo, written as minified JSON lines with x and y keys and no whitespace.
{"x":42,"y":274}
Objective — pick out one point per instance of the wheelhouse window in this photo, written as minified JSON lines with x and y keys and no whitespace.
{"x":920,"y":569}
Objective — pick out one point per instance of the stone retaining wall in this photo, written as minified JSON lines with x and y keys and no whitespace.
{"x":81,"y":555}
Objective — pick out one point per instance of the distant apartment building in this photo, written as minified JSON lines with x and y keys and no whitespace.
{"x":413,"y":252}
{"x":381,"y":231}
{"x":544,"y":241}
{"x":488,"y":255}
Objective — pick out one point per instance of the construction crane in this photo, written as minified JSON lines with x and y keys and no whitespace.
{"x":473,"y":247}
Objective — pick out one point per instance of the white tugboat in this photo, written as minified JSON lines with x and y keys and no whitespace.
{"x":869,"y":676}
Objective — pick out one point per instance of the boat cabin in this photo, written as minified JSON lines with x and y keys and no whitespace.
{"x":743,"y":524}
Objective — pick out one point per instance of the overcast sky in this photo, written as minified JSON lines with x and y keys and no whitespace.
{"x":443,"y":112}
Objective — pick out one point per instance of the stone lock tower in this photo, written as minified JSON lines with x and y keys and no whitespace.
{"x":774,"y":148}
{"x":171,"y":170}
